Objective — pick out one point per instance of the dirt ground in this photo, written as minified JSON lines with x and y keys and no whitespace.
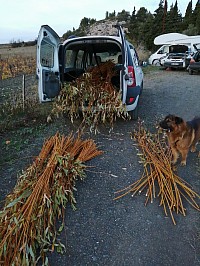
{"x":124,"y":232}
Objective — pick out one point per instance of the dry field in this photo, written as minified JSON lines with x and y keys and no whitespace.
{"x":6,"y":51}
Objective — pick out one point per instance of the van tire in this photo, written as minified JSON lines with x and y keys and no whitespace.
{"x":156,"y":62}
{"x":134,"y":113}
{"x":190,"y":72}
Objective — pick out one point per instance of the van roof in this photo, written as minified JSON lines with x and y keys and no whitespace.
{"x":93,"y":37}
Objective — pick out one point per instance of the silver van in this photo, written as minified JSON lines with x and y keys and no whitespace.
{"x":59,"y":62}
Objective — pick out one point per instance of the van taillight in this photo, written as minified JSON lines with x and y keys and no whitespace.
{"x":131,"y":76}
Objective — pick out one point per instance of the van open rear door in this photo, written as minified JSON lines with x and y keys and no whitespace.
{"x":48,"y":64}
{"x":124,"y":72}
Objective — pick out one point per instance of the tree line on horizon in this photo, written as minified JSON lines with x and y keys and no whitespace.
{"x":143,"y":26}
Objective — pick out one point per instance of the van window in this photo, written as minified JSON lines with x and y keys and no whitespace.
{"x":106,"y":56}
{"x":79,"y":59}
{"x":134,"y":56}
{"x":160,"y":51}
{"x":46,"y":54}
{"x":178,"y":49}
{"x":69,"y":58}
{"x":165,"y":49}
{"x":73,"y":59}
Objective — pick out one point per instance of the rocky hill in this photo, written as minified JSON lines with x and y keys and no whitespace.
{"x":103,"y":27}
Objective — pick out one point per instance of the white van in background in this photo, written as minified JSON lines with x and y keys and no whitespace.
{"x":164,"y":50}
{"x":173,"y":43}
{"x":161,"y":52}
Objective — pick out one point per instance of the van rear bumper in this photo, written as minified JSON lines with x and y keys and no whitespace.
{"x":132,"y":94}
{"x":174,"y":64}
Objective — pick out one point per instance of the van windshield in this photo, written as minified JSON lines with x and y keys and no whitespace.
{"x":178,"y":49}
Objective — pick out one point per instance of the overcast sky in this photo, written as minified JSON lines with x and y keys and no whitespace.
{"x":21,"y":19}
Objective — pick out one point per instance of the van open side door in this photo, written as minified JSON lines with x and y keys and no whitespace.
{"x":48,"y":64}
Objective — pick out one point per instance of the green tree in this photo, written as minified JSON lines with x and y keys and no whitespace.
{"x":191,"y":30}
{"x":133,"y":26}
{"x":198,"y":24}
{"x":85,"y":22}
{"x":123,"y":15}
{"x":147,"y":32}
{"x":164,"y":16}
{"x":92,"y":21}
{"x":112,"y":15}
{"x":196,"y":17}
{"x":175,"y":19}
{"x":67,"y":34}
{"x":141,"y":25}
{"x":158,"y":19}
{"x":188,"y":19}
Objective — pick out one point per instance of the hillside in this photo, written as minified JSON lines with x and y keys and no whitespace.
{"x":103,"y":27}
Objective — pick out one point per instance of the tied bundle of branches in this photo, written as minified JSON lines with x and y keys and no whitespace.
{"x":159,"y":175}
{"x":28,"y":227}
{"x":94,"y":94}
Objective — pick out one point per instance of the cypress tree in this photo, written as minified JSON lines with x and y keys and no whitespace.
{"x":158,"y":19}
{"x":196,"y":17}
{"x":188,"y":19}
{"x":175,"y":19}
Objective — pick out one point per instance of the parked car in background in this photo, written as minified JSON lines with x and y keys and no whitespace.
{"x":194,"y":65}
{"x":63,"y":62}
{"x":175,"y":60}
{"x":165,"y":52}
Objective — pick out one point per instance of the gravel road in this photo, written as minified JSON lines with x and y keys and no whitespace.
{"x":124,"y":232}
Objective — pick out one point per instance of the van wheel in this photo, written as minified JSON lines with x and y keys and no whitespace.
{"x":156,"y":62}
{"x":190,"y":71}
{"x":134,"y":113}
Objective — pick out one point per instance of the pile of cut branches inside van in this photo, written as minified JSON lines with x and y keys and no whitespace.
{"x":28,"y":227}
{"x":94,"y":96}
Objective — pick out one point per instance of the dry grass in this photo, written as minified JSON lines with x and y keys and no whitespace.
{"x":7,"y":51}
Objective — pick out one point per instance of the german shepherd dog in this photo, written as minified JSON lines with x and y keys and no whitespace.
{"x":182,"y":136}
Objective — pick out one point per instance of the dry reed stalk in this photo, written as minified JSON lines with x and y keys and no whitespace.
{"x":28,"y":220}
{"x":95,"y":95}
{"x":158,"y":173}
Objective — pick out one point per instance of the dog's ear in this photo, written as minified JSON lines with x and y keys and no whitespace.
{"x":178,"y":120}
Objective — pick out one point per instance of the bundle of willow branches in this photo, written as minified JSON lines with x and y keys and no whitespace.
{"x":159,"y":175}
{"x":28,"y":220}
{"x":94,"y":95}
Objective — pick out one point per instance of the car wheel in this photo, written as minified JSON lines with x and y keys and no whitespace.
{"x":134,"y":113}
{"x":156,"y":63}
{"x":190,"y":71}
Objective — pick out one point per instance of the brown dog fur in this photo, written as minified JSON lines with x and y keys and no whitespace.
{"x":182,"y":136}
